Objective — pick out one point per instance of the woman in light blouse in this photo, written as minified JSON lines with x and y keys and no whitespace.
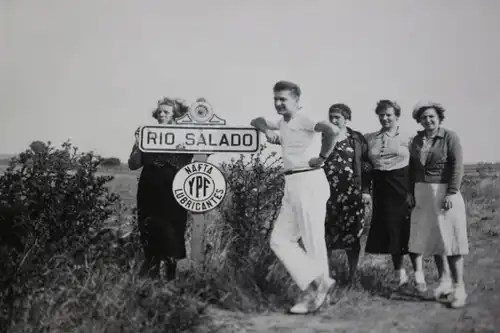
{"x":388,"y":150}
{"x":438,"y":221}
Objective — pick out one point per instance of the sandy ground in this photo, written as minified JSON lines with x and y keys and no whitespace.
{"x":401,"y":311}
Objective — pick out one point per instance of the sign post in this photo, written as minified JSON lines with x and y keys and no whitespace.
{"x":200,"y":186}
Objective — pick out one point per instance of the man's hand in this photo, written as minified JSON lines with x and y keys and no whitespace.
{"x":273,"y":137}
{"x":316,"y":162}
{"x":447,"y":202}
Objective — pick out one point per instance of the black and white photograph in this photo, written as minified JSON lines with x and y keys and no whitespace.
{"x":249,"y":166}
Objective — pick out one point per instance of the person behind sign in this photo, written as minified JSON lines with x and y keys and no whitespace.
{"x":348,"y":172}
{"x":162,"y":221}
{"x":306,"y":192}
{"x":438,"y":220}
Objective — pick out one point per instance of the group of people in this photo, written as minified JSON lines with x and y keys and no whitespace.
{"x":411,"y":181}
{"x":333,"y":174}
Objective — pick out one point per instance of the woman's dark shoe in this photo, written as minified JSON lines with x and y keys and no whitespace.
{"x":171,"y":270}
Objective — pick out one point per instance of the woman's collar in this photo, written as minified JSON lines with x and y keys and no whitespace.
{"x":382,"y":132}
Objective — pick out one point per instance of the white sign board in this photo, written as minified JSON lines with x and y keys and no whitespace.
{"x":200,"y":186}
{"x":198,"y":139}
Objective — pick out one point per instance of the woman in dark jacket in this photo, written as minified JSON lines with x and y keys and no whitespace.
{"x":162,"y":221}
{"x":348,"y":172}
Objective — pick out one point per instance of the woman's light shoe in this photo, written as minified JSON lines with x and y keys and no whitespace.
{"x":421,"y":285}
{"x":402,"y":278}
{"x":443,"y":290}
{"x":459,"y":297}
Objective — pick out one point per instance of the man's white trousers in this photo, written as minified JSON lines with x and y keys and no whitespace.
{"x":302,"y":215}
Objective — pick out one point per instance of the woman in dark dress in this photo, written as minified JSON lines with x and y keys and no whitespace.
{"x":162,"y":221}
{"x":389,"y":153}
{"x":348,"y":172}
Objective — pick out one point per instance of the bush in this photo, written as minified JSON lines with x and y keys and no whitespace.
{"x":241,"y":272}
{"x":111,"y":162}
{"x":51,"y":202}
{"x":65,"y":266}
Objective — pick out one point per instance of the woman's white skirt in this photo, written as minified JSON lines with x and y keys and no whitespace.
{"x":435,"y":231}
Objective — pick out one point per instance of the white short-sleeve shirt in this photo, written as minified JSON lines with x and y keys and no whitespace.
{"x":299,"y":141}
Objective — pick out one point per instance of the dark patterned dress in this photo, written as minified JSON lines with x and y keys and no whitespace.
{"x":162,"y":221}
{"x":345,"y":211}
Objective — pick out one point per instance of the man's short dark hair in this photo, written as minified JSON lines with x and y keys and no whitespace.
{"x":287,"y":85}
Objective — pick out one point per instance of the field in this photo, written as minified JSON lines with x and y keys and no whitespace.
{"x":235,"y":301}
{"x":371,"y":307}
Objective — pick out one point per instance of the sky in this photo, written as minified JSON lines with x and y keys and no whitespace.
{"x":92,"y":71}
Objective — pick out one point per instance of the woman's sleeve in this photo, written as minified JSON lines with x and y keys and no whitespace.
{"x":366,"y":167}
{"x":456,"y":166}
{"x":411,"y":167}
{"x":135,"y":159}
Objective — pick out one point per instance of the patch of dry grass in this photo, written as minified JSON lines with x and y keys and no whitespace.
{"x":95,"y":297}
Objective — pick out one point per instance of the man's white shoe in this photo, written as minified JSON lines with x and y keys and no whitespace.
{"x":304,"y":305}
{"x":312,"y":301}
{"x":323,"y":292}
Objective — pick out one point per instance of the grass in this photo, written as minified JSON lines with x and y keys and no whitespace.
{"x":109,"y":297}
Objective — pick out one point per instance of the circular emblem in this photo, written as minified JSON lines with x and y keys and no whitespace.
{"x":201,"y":111}
{"x":199,"y":187}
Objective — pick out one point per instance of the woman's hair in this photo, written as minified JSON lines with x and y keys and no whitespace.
{"x":385,"y":104}
{"x":342,"y":108}
{"x":420,"y":108}
{"x":179,"y":108}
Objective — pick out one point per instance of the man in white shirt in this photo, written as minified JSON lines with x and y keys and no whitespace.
{"x":306,"y":192}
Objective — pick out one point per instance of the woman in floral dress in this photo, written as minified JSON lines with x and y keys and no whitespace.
{"x":348,"y":172}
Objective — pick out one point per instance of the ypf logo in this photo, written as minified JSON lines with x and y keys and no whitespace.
{"x":199,"y":187}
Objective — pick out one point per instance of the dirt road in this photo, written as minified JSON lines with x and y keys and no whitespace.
{"x":357,"y":311}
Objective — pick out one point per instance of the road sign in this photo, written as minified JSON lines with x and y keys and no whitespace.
{"x":199,"y":131}
{"x":198,"y":139}
{"x":197,"y":187}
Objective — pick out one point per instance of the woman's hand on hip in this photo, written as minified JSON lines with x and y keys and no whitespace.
{"x":410,"y":200}
{"x":447,"y":202}
{"x":366,"y":198}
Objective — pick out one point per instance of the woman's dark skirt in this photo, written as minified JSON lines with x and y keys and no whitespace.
{"x":162,"y":221}
{"x":390,"y":226}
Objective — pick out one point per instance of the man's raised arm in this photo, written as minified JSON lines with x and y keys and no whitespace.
{"x":263,"y":125}
{"x":267,"y":127}
{"x":330,"y":133}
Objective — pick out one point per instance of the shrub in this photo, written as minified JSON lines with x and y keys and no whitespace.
{"x":65,"y":266}
{"x":51,"y":202}
{"x":249,"y":276}
{"x":111,"y":162}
